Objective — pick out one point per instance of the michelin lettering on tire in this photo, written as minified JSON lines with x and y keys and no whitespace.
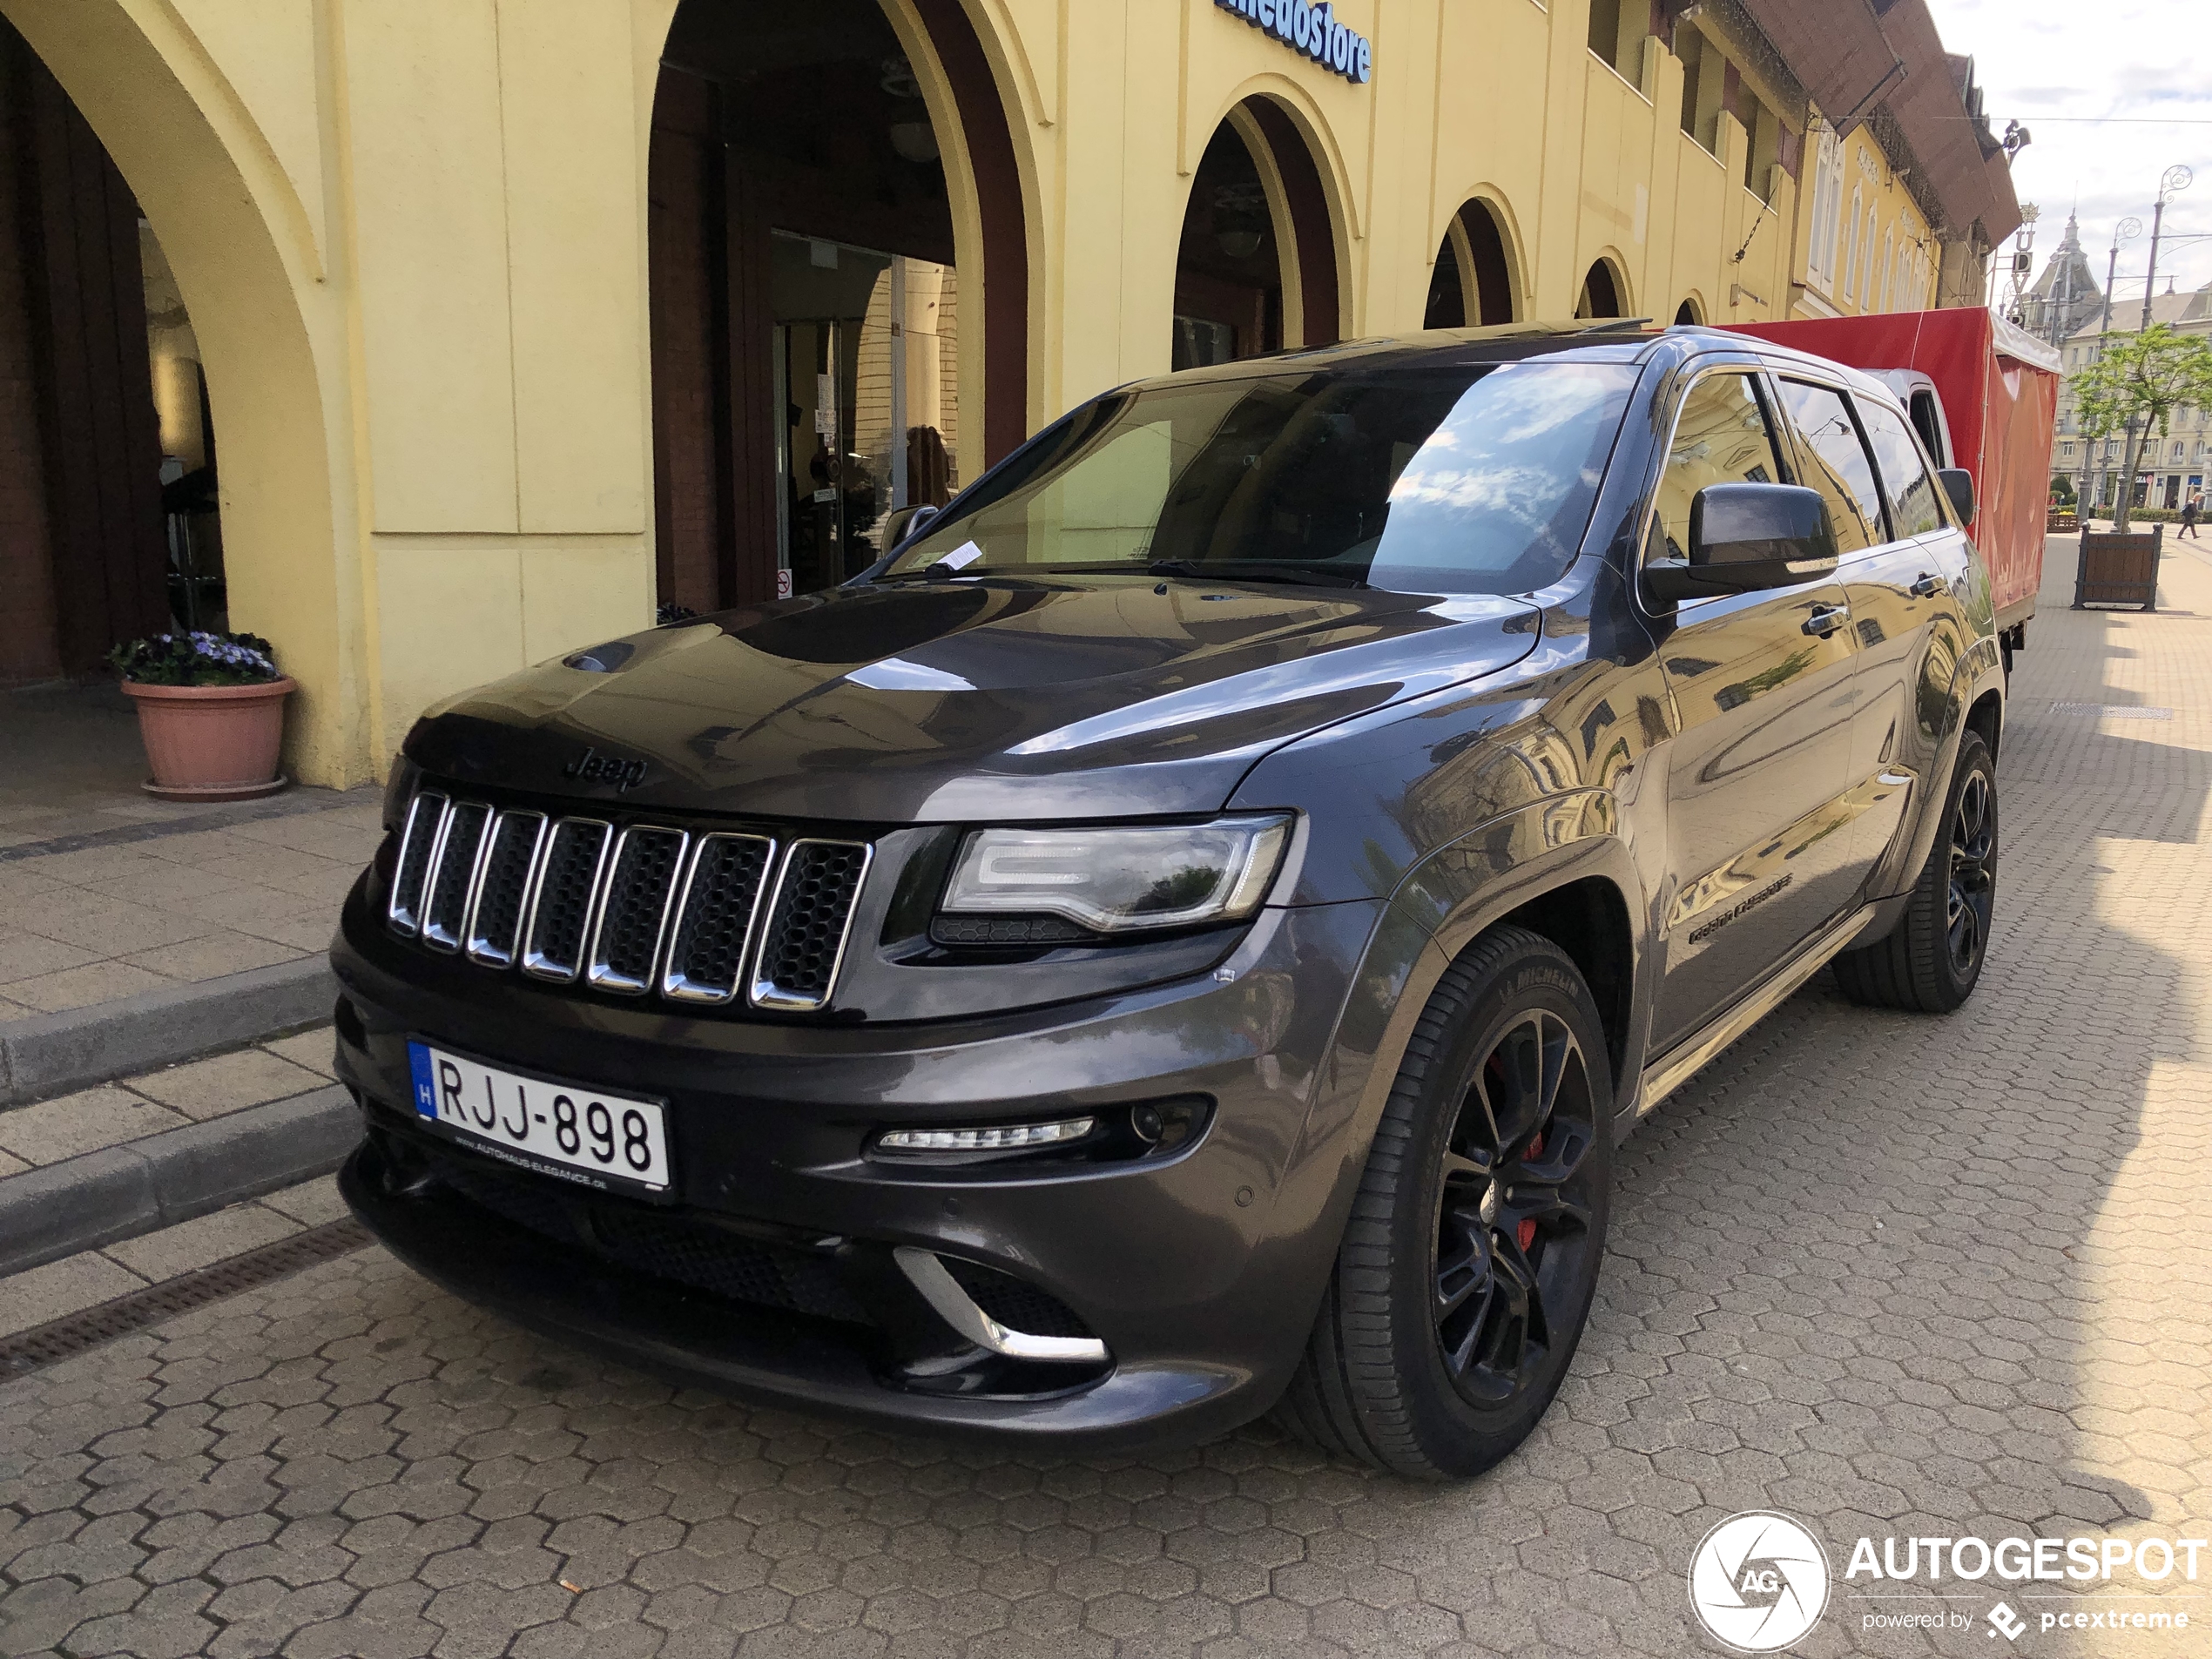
{"x":1758,"y":1581}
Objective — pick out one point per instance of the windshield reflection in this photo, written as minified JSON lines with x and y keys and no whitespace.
{"x":1470,"y":478}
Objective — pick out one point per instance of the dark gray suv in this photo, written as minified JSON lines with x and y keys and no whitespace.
{"x":1182,"y":934}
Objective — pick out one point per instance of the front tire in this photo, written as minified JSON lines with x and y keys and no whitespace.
{"x":1931,"y":961}
{"x":1466,"y":1271}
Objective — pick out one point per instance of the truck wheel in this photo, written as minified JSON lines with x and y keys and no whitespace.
{"x":1930,"y":961}
{"x":1466,"y":1272}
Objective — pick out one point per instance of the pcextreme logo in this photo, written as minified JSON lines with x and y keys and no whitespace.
{"x":1758,"y":1581}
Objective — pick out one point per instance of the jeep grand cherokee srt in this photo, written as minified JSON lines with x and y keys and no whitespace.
{"x":1182,"y":934}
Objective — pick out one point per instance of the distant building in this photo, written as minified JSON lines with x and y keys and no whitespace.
{"x":2169,"y":466}
{"x":2066,"y":295}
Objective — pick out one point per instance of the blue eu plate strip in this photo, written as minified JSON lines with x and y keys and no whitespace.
{"x":426,"y":1091}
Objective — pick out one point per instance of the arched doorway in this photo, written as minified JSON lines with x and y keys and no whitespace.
{"x":216,"y":290}
{"x":1473,"y":284}
{"x":1601,"y":294}
{"x":1688,"y":314}
{"x":838,"y":286}
{"x":1256,"y":269}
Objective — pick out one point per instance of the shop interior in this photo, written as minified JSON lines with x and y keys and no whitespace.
{"x":805,"y":301}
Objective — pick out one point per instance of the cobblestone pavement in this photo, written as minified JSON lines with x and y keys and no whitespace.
{"x":1892,"y":1275}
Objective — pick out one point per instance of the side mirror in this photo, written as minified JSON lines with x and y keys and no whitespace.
{"x":1746,"y":537}
{"x":1959,"y":485}
{"x":903,"y":524}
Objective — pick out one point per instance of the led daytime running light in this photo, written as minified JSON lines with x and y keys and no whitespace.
{"x":1005,"y":1138}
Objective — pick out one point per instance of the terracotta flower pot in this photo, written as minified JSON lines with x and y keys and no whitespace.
{"x":212,"y":742}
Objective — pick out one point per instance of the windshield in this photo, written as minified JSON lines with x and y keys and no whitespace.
{"x":1475,"y":478}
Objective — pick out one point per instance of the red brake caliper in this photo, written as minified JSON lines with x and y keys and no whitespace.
{"x":1525,"y":1235}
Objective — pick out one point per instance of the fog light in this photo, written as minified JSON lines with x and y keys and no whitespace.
{"x":1005,"y":1138}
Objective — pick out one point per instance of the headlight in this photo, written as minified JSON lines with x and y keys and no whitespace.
{"x":1120,"y":879}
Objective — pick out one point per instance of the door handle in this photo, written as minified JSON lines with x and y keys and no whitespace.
{"x":1825,"y":619}
{"x":1927,"y":587}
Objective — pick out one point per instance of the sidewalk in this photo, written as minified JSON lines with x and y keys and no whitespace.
{"x":134,"y":932}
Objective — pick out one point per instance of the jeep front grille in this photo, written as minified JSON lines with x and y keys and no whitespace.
{"x":807,"y":923}
{"x":560,"y":910}
{"x":496,"y":920}
{"x":716,"y":915}
{"x":704,"y":919}
{"x":625,"y":945}
{"x":453,"y":874}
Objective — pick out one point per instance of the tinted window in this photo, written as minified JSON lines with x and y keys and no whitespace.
{"x":1721,"y":437}
{"x":1476,"y":478}
{"x":1837,"y":463}
{"x":1929,"y":425}
{"x":1911,"y":488}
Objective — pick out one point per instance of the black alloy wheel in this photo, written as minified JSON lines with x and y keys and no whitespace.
{"x":1932,"y":959}
{"x":1972,"y":893}
{"x":1513,"y":1210}
{"x":1468,"y":1269}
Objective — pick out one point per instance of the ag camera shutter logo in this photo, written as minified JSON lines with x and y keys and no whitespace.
{"x":1758,"y":1581}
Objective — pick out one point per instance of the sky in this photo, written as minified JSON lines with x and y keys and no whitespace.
{"x":2114,"y":93}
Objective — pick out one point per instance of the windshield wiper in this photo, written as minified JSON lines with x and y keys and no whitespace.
{"x":1254,"y":571}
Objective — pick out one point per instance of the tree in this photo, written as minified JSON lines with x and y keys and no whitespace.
{"x":2135,"y":386}
{"x":2061,"y":490}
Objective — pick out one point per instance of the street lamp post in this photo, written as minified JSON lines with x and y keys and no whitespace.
{"x":2126,"y":231}
{"x":2176,"y":179}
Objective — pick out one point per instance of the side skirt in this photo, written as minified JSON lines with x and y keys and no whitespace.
{"x":1674,"y":1068}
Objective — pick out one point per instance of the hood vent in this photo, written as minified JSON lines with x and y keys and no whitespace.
{"x":697,"y":919}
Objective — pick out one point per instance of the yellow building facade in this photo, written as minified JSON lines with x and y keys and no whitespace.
{"x":418,"y":243}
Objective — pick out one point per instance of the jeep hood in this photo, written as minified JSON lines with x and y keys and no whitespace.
{"x":993,"y":698}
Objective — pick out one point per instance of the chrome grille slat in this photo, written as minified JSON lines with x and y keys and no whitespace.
{"x":716,"y":914}
{"x":560,"y":903}
{"x":633,"y":907}
{"x":706,"y":918}
{"x":410,"y":874}
{"x":503,"y":887}
{"x":453,"y":873}
{"x":803,"y":945}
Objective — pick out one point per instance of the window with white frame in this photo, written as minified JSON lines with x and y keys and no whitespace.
{"x":1851,"y":249}
{"x":1867,"y":253}
{"x":1827,"y":207}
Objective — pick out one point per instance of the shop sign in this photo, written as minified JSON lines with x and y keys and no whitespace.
{"x":1313,"y":30}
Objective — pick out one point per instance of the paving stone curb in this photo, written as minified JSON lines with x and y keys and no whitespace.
{"x":120,"y":1192}
{"x":52,"y":1054}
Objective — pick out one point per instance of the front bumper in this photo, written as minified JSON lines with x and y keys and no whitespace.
{"x":1199,"y":1269}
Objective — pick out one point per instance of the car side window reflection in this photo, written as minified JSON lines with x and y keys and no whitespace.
{"x":1913,"y":496}
{"x":1838,"y":467}
{"x":1722,"y":437}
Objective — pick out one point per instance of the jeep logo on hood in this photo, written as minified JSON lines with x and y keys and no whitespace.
{"x":592,"y":767}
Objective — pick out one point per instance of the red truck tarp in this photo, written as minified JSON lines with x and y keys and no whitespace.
{"x":1999,"y":388}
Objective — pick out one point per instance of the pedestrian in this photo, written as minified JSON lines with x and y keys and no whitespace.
{"x":2190,"y":509}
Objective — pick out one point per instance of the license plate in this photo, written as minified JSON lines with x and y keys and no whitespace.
{"x":569,"y":1129}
